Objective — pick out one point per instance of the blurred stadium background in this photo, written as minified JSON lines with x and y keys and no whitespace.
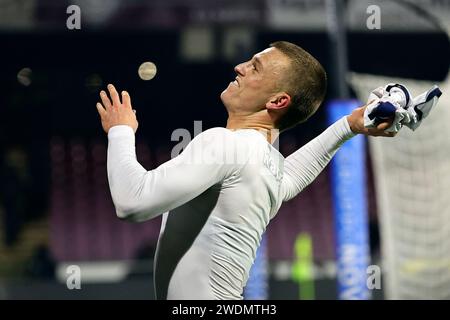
{"x":55,"y":205}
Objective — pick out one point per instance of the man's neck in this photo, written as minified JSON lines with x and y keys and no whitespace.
{"x":247,"y":122}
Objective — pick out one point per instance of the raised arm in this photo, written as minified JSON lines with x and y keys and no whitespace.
{"x":139,"y":194}
{"x":305,"y":164}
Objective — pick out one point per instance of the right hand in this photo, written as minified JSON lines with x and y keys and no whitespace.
{"x":356,"y":122}
{"x":116,"y":113}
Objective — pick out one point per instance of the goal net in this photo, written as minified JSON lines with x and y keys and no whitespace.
{"x":412,"y":183}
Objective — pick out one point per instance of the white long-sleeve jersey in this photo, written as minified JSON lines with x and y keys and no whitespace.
{"x":217,"y":198}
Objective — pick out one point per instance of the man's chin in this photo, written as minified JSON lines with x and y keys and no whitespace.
{"x":224,"y":96}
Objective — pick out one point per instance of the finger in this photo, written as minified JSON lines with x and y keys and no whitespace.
{"x":373,"y":132}
{"x":114,"y":95}
{"x":105,"y":100}
{"x":126,"y":99}
{"x":383,"y":125}
{"x":391,"y":134}
{"x":100,"y":109}
{"x":386,"y":134}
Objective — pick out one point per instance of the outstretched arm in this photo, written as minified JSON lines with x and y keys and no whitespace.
{"x":138,"y":194}
{"x":305,"y":164}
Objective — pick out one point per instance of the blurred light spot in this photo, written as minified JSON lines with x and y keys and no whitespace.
{"x":197,"y":43}
{"x":147,"y":70}
{"x":24,"y":76}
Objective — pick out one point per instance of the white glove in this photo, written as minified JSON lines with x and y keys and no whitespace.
{"x":421,"y":106}
{"x":394,"y":100}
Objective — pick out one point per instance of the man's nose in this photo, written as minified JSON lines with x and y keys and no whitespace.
{"x":239,"y":69}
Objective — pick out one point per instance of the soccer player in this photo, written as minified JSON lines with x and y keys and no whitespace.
{"x":218,"y":196}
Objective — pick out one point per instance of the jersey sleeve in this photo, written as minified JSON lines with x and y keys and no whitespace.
{"x":305,"y":164}
{"x":139,"y":195}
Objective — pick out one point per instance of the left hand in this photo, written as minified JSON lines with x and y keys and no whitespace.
{"x":356,"y":122}
{"x":116,"y":113}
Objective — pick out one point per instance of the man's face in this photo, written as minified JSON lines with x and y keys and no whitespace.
{"x":256,"y":82}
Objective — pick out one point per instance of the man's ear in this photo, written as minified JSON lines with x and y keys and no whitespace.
{"x":279,"y":101}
